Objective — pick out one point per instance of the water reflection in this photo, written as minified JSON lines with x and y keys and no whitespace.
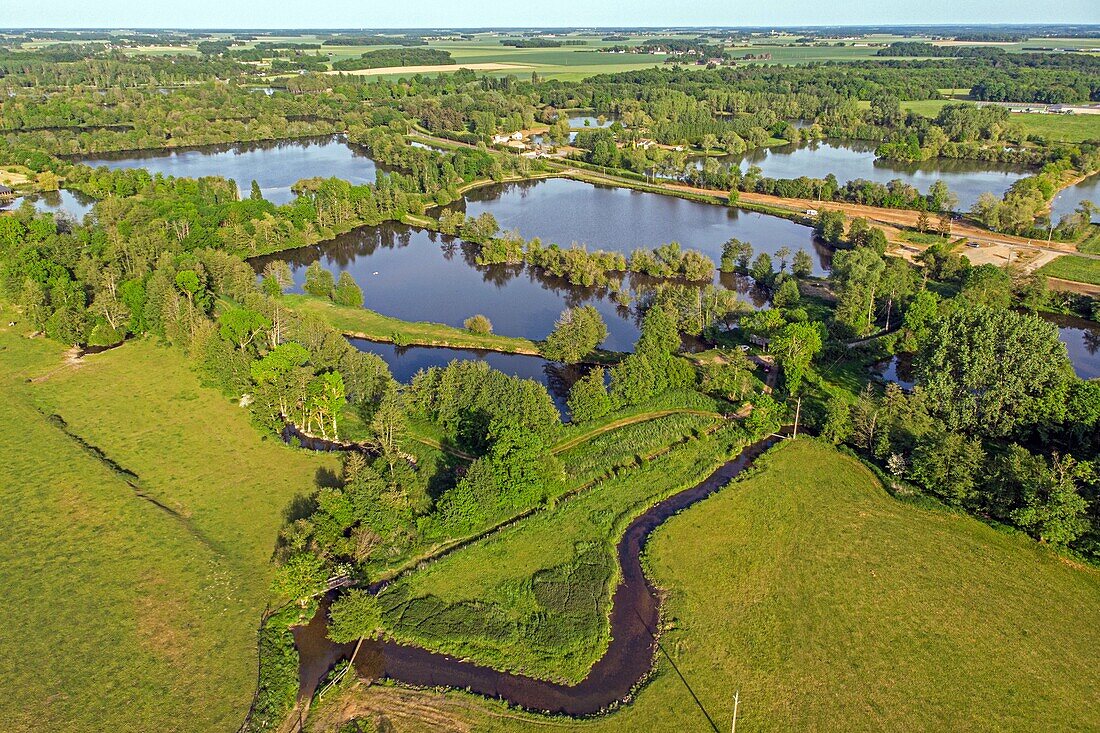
{"x":850,"y":160}
{"x":275,"y":165}
{"x":564,"y":211}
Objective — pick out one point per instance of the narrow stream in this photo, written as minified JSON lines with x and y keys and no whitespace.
{"x":635,"y":615}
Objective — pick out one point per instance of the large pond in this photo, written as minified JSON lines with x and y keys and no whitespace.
{"x":417,"y":275}
{"x":850,"y":160}
{"x":563,"y":211}
{"x":406,"y":361}
{"x":1067,"y":200}
{"x":275,"y":165}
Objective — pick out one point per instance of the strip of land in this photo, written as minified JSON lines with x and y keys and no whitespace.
{"x":432,"y":69}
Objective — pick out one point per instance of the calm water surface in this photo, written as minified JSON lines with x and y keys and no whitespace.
{"x":275,"y":165}
{"x":563,"y":211}
{"x":71,"y":203}
{"x":850,"y":160}
{"x":1067,"y":200}
{"x":418,"y":275}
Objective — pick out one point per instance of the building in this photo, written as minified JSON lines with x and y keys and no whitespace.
{"x":6,"y":192}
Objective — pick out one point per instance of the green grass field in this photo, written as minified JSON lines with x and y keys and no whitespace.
{"x":1072,"y":267}
{"x":832,"y":606}
{"x":120,"y":615}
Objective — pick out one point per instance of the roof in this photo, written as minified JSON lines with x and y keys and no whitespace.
{"x":5,"y":189}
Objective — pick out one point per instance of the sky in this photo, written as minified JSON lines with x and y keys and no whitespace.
{"x":524,"y":13}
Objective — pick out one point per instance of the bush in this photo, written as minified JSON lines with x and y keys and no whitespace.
{"x":478,"y":324}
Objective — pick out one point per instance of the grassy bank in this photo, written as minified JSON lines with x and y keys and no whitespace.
{"x":120,"y":614}
{"x":1072,"y":267}
{"x":497,"y":602}
{"x":364,"y":323}
{"x":832,"y":606}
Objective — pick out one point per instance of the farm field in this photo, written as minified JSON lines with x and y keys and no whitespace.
{"x":122,"y":614}
{"x":1072,"y":267}
{"x":831,"y":605}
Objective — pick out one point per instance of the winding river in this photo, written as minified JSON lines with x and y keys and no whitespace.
{"x":627,"y":663}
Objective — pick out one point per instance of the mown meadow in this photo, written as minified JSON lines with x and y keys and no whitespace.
{"x":139,"y":529}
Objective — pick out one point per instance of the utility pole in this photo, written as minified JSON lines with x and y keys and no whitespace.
{"x":736,"y":700}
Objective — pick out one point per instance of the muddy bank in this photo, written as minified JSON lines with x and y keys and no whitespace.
{"x":628,"y":661}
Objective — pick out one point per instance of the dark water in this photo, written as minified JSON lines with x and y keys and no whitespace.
{"x":406,"y":361}
{"x":417,"y":275}
{"x":1082,"y":340}
{"x":1066,"y":201}
{"x":275,"y":165}
{"x":897,"y":369}
{"x":850,"y":160}
{"x":635,"y":615}
{"x":71,"y":203}
{"x":563,"y":211}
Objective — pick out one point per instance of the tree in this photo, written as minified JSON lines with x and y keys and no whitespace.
{"x":319,"y":281}
{"x":354,"y":615}
{"x":388,"y":428}
{"x":736,"y":256}
{"x":794,"y":347}
{"x":1052,"y":508}
{"x":347,"y":292}
{"x":803,"y":265}
{"x":991,"y":371}
{"x":987,"y":285}
{"x":301,"y":576}
{"x":241,"y":326}
{"x":576,"y":334}
{"x":830,"y":226}
{"x":856,"y":274}
{"x":898,"y":282}
{"x":255,"y":193}
{"x":478,"y":324}
{"x":588,"y":399}
{"x":761,"y":270}
{"x":787,"y":294}
{"x":660,"y":333}
{"x":277,"y":277}
{"x":947,"y":464}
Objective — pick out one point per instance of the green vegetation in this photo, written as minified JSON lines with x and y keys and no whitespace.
{"x":365,"y":323}
{"x":793,"y":580}
{"x":395,"y":57}
{"x":501,"y":601}
{"x":1072,"y":267}
{"x":172,"y":594}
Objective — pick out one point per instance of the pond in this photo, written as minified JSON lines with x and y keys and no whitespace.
{"x":63,"y":201}
{"x":1082,"y":340}
{"x":850,"y":160}
{"x":1066,"y":201}
{"x":563,"y":211}
{"x":406,"y":361}
{"x":590,"y":120}
{"x":275,"y":164}
{"x":416,"y":275}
